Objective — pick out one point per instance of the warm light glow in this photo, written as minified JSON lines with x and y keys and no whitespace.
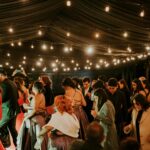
{"x":24,"y":57}
{"x":32,"y":69}
{"x":70,"y":49}
{"x":8,"y":54}
{"x":72,"y":61}
{"x":1,"y":65}
{"x":19,"y":43}
{"x":90,"y":50}
{"x":10,"y":30}
{"x":107,"y":9}
{"x":97,"y":35}
{"x":97,"y":66}
{"x":142,"y":13}
{"x":38,"y":63}
{"x":53,"y":64}
{"x":11,"y":67}
{"x":41,"y":59}
{"x":66,"y":49}
{"x":32,"y":46}
{"x":24,"y":62}
{"x":129,"y":49}
{"x":147,"y":48}
{"x":68,"y":3}
{"x":12,"y":44}
{"x":7,"y":63}
{"x":44,"y":46}
{"x":125,"y":34}
{"x":40,"y":32}
{"x":44,"y":69}
{"x":68,"y":34}
{"x":51,"y":47}
{"x":87,"y":61}
{"x":109,"y":50}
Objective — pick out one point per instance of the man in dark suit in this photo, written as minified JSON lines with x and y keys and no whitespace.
{"x":118,"y":99}
{"x":87,"y":96}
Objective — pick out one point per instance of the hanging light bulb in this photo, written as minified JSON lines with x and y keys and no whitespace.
{"x":142,"y":13}
{"x":68,"y":3}
{"x":107,"y":8}
{"x":10,"y":30}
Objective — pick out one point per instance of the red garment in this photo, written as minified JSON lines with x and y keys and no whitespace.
{"x":0,"y":106}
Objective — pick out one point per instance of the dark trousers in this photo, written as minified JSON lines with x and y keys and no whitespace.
{"x":4,"y":132}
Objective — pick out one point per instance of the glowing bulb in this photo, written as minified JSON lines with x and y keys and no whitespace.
{"x":107,"y":9}
{"x":125,"y":34}
{"x":11,"y":67}
{"x":12,"y":44}
{"x":147,"y":48}
{"x":72,"y":61}
{"x":41,"y":59}
{"x":53,"y":65}
{"x":109,"y":51}
{"x":68,"y":3}
{"x":10,"y":30}
{"x":32,"y":69}
{"x":66,"y":49}
{"x":142,"y":13}
{"x":44,"y":46}
{"x":24,"y":57}
{"x":97,"y":35}
{"x":51,"y":47}
{"x":7,"y":63}
{"x":24,"y":62}
{"x":90,"y":50}
{"x":68,"y":34}
{"x":8,"y":54}
{"x":32,"y":46}
{"x":38,"y":63}
{"x":129,"y":49}
{"x":70,"y":49}
{"x":40,"y":32}
{"x":19,"y":43}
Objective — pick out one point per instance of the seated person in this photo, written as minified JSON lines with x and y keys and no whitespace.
{"x":63,"y":123}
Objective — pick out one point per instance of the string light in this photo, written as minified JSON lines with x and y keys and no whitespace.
{"x":12,"y":44}
{"x":109,"y":50}
{"x":90,"y":50}
{"x":125,"y":34}
{"x":32,"y":69}
{"x":51,"y":47}
{"x":24,"y":57}
{"x":107,"y":9}
{"x":40,"y":33}
{"x":10,"y":30}
{"x":68,"y":34}
{"x":97,"y":35}
{"x":8,"y":54}
{"x":19,"y":43}
{"x":147,"y":48}
{"x":142,"y":13}
{"x":68,"y":3}
{"x":32,"y":46}
{"x":129,"y":49}
{"x":44,"y":46}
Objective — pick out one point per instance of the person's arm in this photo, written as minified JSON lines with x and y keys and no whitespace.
{"x":45,"y":129}
{"x":83,"y":100}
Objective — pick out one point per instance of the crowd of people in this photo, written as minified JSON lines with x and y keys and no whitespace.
{"x":90,"y":114}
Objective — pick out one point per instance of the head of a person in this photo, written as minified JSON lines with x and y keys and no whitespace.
{"x":145,"y":84}
{"x":136,"y":85}
{"x":86,"y":82}
{"x":139,"y":102}
{"x":3,"y":75}
{"x":129,"y":143}
{"x":112,"y":85}
{"x":95,"y":132}
{"x":38,"y":87}
{"x":63,"y":104}
{"x":98,"y":84}
{"x":68,"y":82}
{"x":123,"y":84}
{"x":45,"y":80}
{"x":102,"y":97}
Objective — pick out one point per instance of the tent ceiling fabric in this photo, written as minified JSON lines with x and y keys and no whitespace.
{"x":82,"y":20}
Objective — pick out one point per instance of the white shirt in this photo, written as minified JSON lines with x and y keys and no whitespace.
{"x":66,"y":123}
